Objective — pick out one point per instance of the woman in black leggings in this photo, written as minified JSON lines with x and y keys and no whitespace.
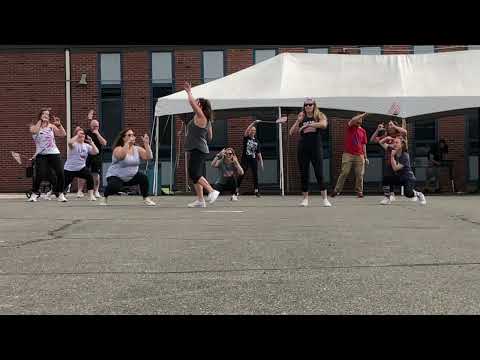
{"x":198,"y":129}
{"x":308,"y":123}
{"x":47,"y":155}
{"x":251,"y":152}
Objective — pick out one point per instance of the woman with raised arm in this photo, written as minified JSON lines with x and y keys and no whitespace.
{"x":251,"y":155}
{"x":198,"y":130}
{"x":47,"y":155}
{"x":402,"y":171}
{"x":123,"y":171}
{"x":309,"y":122}
{"x":79,"y":147}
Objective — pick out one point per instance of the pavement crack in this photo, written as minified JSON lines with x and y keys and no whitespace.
{"x":300,"y":268}
{"x":52,"y":233}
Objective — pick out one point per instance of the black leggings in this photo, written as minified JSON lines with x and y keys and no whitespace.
{"x":115,"y":184}
{"x":196,"y":164}
{"x":310,"y":150}
{"x":45,"y":164}
{"x":408,"y":185}
{"x":249,"y":162}
{"x":231,"y":185}
{"x":84,"y":173}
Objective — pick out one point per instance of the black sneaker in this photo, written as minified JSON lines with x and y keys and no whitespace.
{"x":257,"y":194}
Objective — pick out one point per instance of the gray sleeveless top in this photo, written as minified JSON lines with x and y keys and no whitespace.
{"x":197,"y":138}
{"x":127,"y":168}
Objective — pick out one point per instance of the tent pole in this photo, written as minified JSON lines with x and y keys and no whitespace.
{"x":155,"y":170}
{"x":280,"y":155}
{"x":172,"y":125}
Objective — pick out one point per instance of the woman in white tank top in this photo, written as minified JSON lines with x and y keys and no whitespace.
{"x":47,"y":155}
{"x":123,"y":171}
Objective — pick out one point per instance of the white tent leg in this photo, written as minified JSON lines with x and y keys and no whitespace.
{"x":280,"y":155}
{"x":172,"y":125}
{"x":155,"y":170}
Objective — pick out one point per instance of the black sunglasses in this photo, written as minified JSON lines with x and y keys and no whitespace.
{"x":308,"y":104}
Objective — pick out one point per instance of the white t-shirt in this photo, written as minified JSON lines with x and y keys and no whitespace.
{"x":77,"y":156}
{"x":45,"y":142}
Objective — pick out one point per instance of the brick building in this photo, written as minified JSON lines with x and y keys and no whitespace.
{"x":123,"y":82}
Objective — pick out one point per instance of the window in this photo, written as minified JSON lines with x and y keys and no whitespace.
{"x":162,"y":68}
{"x":473,"y":145}
{"x":473,"y":47}
{"x":262,"y":55}
{"x":162,"y":85}
{"x":267,"y":134}
{"x":317,"y":51}
{"x":425,"y":136}
{"x":371,"y":50}
{"x":423,"y":49}
{"x":213,"y":65}
{"x":110,"y":72}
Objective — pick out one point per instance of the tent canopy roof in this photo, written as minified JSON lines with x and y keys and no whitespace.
{"x":420,"y":83}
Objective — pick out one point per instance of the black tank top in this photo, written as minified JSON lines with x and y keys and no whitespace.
{"x":308,"y":133}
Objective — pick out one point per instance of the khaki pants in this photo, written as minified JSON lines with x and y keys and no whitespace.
{"x":358,"y":162}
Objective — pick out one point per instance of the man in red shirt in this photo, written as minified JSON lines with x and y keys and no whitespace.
{"x":355,"y":154}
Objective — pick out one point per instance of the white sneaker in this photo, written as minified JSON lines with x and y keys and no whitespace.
{"x":422,"y":199}
{"x":414,"y":199}
{"x":304,"y":203}
{"x":392,"y":197}
{"x":234,"y":198}
{"x":386,"y":201}
{"x":80,"y":194}
{"x":103,"y":202}
{"x":197,"y":204}
{"x":33,"y":198}
{"x":97,"y":195}
{"x":92,"y":198}
{"x":149,"y":202}
{"x":62,"y":198}
{"x":213,"y":196}
{"x":326,"y":203}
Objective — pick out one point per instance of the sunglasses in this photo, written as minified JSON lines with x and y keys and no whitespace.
{"x":308,"y":104}
{"x":228,"y":154}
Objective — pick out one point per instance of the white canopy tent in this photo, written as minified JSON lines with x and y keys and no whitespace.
{"x":419,"y":84}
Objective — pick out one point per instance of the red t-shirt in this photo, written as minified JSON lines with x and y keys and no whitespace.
{"x":355,"y":138}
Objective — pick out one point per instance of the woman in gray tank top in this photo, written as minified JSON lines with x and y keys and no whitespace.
{"x":198,"y":130}
{"x":125,"y":162}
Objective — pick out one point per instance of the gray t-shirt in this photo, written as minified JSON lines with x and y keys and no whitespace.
{"x":197,"y":137}
{"x":127,"y":168}
{"x":77,"y":156}
{"x":226,"y":172}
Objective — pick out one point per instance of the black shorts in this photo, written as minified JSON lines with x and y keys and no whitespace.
{"x":196,"y":164}
{"x":94,"y":164}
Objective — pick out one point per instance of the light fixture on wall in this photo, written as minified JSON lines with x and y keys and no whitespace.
{"x":83,"y":80}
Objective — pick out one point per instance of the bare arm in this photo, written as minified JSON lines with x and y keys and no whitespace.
{"x":294,"y":128}
{"x":395,"y":165}
{"x":35,"y":128}
{"x":72,"y":141}
{"x":57,"y":127}
{"x":238,"y":166}
{"x":100,"y":138}
{"x":259,"y":156}
{"x":146,"y":152}
{"x":94,"y":149}
{"x":201,"y":120}
{"x":209,"y":132}
{"x":217,"y":159}
{"x":247,"y":130}
{"x":355,"y":118}
{"x":382,"y":142}
{"x":121,"y":151}
{"x":321,"y":124}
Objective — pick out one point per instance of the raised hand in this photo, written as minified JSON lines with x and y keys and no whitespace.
{"x":187,"y":87}
{"x":146,"y":139}
{"x":56,"y":121}
{"x":90,"y":114}
{"x":88,"y":139}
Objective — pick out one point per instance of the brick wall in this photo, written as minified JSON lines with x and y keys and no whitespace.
{"x":28,"y":82}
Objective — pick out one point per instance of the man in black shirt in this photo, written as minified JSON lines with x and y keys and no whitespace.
{"x":251,"y":152}
{"x":94,"y":162}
